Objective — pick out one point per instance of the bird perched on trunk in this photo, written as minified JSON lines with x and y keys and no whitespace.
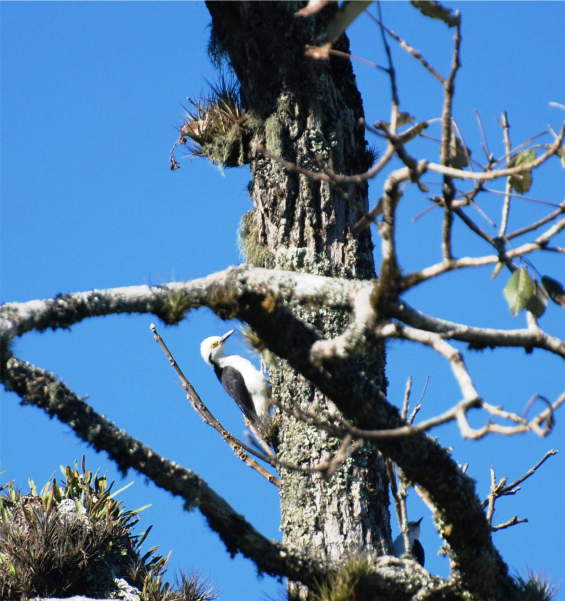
{"x":240,"y":378}
{"x":416,"y":546}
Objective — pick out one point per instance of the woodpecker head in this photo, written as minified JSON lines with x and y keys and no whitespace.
{"x":213,"y":347}
{"x":414,"y":530}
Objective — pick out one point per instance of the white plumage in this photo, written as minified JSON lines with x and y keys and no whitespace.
{"x":240,"y":378}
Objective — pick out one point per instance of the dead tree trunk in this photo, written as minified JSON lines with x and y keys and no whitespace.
{"x":309,"y":111}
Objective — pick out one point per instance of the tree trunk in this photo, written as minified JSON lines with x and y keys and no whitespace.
{"x":307,"y":108}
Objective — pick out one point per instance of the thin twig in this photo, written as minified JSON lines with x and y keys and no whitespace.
{"x":492,"y":496}
{"x":391,"y":71}
{"x":511,"y":522}
{"x":516,"y":195}
{"x":418,"y":405}
{"x":510,"y":487}
{"x":446,"y":140}
{"x":507,"y":193}
{"x":405,"y":403}
{"x":527,"y":142}
{"x":499,"y":173}
{"x":485,"y":143}
{"x":412,"y":51}
{"x":352,"y":57}
{"x":539,"y":223}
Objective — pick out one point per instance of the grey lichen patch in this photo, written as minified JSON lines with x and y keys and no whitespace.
{"x":250,"y":246}
{"x":314,"y":144}
{"x":303,"y":260}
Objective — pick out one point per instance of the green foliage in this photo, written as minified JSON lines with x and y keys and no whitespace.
{"x":519,"y":290}
{"x":74,"y":538}
{"x":538,"y":301}
{"x":435,"y":10}
{"x":459,"y":154}
{"x":535,"y":587}
{"x":177,"y":304}
{"x":561,"y":153}
{"x":192,"y":587}
{"x":217,"y":126}
{"x":250,"y":246}
{"x":523,"y":182}
{"x":346,"y":583}
{"x":554,"y":289}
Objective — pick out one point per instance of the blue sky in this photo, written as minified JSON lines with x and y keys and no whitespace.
{"x":91,"y":94}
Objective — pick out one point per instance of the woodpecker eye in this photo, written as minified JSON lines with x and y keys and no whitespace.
{"x":215,"y":344}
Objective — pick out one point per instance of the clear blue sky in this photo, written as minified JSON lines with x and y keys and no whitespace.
{"x":91,"y":94}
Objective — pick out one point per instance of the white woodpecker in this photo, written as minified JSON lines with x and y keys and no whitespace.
{"x":415,"y":544}
{"x":240,"y":378}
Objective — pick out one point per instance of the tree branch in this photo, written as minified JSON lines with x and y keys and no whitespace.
{"x":42,"y":389}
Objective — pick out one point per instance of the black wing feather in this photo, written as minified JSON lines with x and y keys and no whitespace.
{"x":418,"y":552}
{"x":234,"y":385}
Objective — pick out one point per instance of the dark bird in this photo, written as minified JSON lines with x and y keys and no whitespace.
{"x":413,"y":535}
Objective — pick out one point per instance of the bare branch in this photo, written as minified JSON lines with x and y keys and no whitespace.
{"x":391,"y":71}
{"x":478,"y":337}
{"x":446,"y":140}
{"x":511,"y":488}
{"x":492,"y":495}
{"x":491,"y":175}
{"x":511,"y":522}
{"x":539,"y":243}
{"x":539,"y":223}
{"x":405,"y":403}
{"x":485,"y":143}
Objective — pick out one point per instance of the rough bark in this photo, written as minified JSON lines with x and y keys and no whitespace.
{"x":308,"y":109}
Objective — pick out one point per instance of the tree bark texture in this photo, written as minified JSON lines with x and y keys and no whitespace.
{"x":308,"y":109}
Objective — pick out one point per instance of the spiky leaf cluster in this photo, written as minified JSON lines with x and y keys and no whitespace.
{"x":75,"y":538}
{"x":215,"y":126}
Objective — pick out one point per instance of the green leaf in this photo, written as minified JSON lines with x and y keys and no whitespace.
{"x":121,"y":490}
{"x":554,"y":289}
{"x":561,"y":153}
{"x":140,"y":509}
{"x":497,"y":269}
{"x":523,"y":182}
{"x":519,"y":291}
{"x":435,"y":10}
{"x":538,"y":303}
{"x":57,"y":492}
{"x":458,"y":153}
{"x":404,"y":118}
{"x":347,"y":13}
{"x":32,"y":487}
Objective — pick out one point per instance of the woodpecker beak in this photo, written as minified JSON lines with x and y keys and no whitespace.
{"x":419,"y":521}
{"x":226,"y":336}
